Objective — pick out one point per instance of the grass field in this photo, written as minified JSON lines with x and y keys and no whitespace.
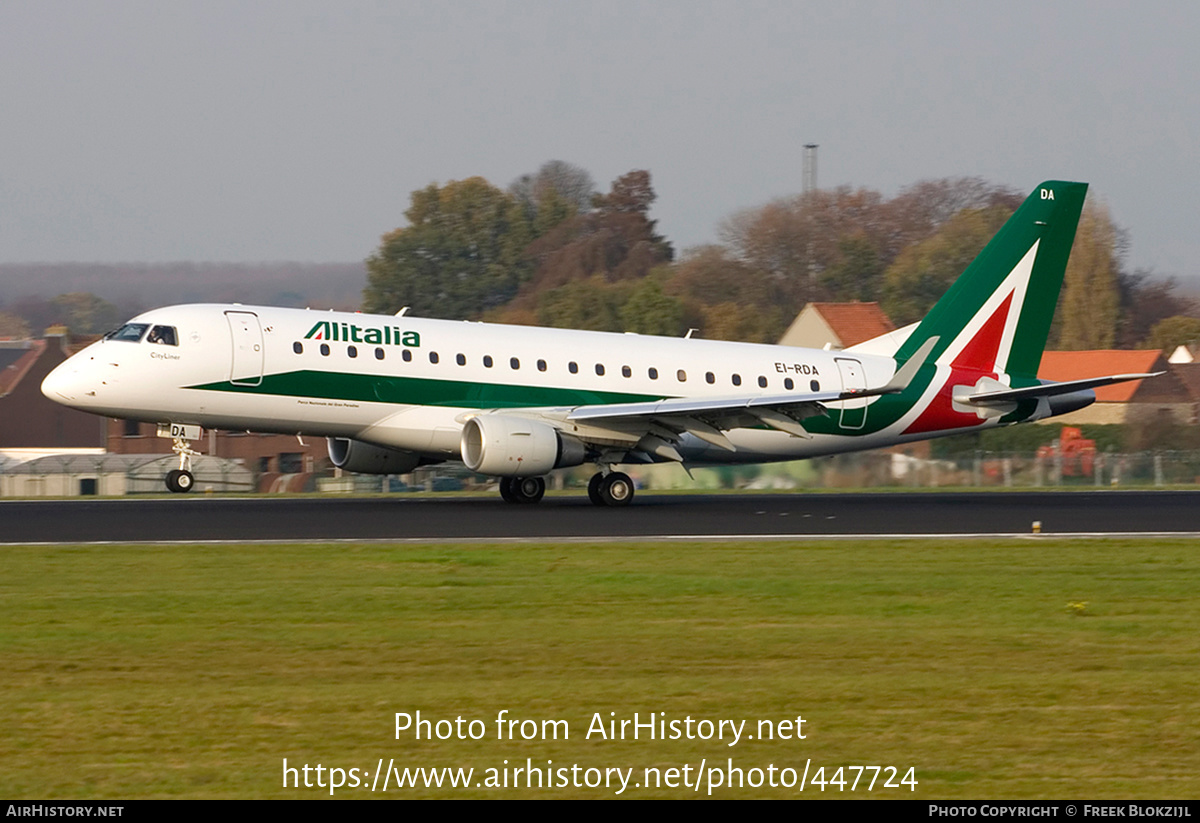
{"x":1032,"y":668}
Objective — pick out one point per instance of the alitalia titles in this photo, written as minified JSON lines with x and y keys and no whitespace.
{"x":349,"y":333}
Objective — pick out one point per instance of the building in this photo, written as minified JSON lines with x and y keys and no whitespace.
{"x":836,"y":325}
{"x":28,"y":419}
{"x":83,"y":472}
{"x":280,"y":462}
{"x":1134,"y":401}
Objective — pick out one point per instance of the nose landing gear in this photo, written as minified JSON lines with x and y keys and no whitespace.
{"x":182,"y":480}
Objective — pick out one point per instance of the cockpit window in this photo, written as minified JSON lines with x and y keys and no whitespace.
{"x":130,"y":332}
{"x":163,"y":335}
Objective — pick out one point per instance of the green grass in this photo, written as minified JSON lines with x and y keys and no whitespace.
{"x":141,"y":671}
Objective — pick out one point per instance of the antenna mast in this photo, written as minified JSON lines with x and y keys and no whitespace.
{"x":809,"y":181}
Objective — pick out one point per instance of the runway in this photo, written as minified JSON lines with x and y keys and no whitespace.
{"x":749,"y":516}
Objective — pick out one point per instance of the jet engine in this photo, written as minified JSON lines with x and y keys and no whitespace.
{"x":357,"y":456}
{"x":516,"y":447}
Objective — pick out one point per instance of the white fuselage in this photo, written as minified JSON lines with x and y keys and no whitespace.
{"x":410,"y":383}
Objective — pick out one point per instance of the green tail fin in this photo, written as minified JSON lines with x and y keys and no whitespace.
{"x":996,"y":317}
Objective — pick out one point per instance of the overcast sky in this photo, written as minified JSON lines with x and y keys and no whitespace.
{"x":254,"y":131}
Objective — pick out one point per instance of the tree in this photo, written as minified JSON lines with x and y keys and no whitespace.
{"x":85,"y":313}
{"x":558,"y":184}
{"x":615,"y":241}
{"x":923,"y":272}
{"x":593,"y":304}
{"x":13,"y":327}
{"x":649,"y":311}
{"x":459,"y":255}
{"x":1173,"y":332}
{"x":1146,"y":301}
{"x":1089,"y":306}
{"x":836,"y":243}
{"x":726,"y":298}
{"x":857,"y":274}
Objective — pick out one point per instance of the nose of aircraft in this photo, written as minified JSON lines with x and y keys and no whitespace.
{"x":61,"y":385}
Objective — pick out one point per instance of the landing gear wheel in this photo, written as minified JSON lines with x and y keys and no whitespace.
{"x":506,"y":484}
{"x":594,"y":489}
{"x":528,"y":489}
{"x":522,"y":489}
{"x":180,"y":481}
{"x":616,"y":489}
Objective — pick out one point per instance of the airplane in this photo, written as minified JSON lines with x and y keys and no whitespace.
{"x":394,"y":392}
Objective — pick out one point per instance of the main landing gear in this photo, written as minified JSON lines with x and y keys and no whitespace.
{"x":522,"y":489}
{"x":181,"y":480}
{"x":612,"y":489}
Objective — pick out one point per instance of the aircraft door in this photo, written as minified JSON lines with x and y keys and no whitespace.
{"x":247,"y":337}
{"x":854,"y":412}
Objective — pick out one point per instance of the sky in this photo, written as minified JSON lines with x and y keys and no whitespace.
{"x":233,"y":131}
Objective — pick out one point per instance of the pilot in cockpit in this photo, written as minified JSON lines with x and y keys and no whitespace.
{"x":162,"y":335}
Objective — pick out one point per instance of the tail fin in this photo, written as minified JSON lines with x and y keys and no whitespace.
{"x":996,"y":317}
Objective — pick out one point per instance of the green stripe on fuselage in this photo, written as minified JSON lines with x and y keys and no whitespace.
{"x":421,"y":391}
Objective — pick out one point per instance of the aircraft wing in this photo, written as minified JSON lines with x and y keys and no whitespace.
{"x":707,"y":417}
{"x":1051,"y":389}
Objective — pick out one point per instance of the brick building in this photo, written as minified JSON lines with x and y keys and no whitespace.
{"x":1167,"y":394}
{"x":28,"y":419}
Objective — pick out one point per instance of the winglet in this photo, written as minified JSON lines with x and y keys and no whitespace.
{"x":908,"y":371}
{"x":901,"y":378}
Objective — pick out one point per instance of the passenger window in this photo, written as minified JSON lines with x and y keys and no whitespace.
{"x":352,"y":351}
{"x":573,"y":367}
{"x":681,"y":376}
{"x":460,"y":359}
{"x":788,"y":383}
{"x":487,"y":361}
{"x":815,"y":385}
{"x":163,"y":335}
{"x":433,"y":357}
{"x":514,"y":363}
{"x":600,"y":369}
{"x":541,"y":365}
{"x":626,"y":371}
{"x":325,"y":349}
{"x":709,"y":377}
{"x":762,"y":382}
{"x":298,"y":347}
{"x":379,"y":355}
{"x":653,"y":372}
{"x":737,"y":379}
{"x":406,"y":356}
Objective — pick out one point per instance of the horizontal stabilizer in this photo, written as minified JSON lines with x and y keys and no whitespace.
{"x":1051,"y":389}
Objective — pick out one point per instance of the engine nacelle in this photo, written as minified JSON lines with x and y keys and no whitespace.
{"x":357,"y":456}
{"x":516,"y":447}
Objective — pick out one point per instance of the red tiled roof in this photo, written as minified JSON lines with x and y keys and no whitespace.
{"x":854,"y":323}
{"x":1079,"y":365}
